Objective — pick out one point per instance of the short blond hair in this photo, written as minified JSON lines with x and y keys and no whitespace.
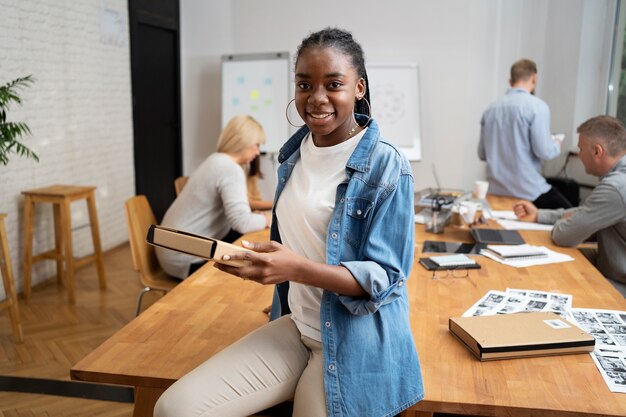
{"x":241,"y":132}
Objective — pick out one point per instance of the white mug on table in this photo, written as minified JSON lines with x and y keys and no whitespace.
{"x":480,"y":189}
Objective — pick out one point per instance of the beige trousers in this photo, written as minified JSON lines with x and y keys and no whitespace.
{"x":270,"y":365}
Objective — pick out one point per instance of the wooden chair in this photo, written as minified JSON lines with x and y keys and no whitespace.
{"x":179,"y":183}
{"x":139,"y":217}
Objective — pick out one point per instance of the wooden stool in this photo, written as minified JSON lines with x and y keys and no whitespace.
{"x":7,"y":279}
{"x":60,"y":196}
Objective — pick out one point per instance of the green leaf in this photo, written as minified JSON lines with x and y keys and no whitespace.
{"x":11,"y":132}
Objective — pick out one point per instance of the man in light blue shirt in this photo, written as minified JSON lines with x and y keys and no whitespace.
{"x":515,"y":136}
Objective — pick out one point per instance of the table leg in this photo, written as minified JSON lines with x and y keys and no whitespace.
{"x":95,"y":235}
{"x":7,"y":277}
{"x":145,"y":399}
{"x":28,"y":246}
{"x":58,"y":242}
{"x":66,"y":222}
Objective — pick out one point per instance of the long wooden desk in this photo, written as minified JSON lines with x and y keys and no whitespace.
{"x":455,"y":382}
{"x":210,"y":310}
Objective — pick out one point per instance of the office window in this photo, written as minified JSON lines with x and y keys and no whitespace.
{"x":621,"y":98}
{"x":616,"y":98}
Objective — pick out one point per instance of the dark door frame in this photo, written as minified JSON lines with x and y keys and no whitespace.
{"x":161,"y":14}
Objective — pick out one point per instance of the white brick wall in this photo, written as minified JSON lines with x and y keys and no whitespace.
{"x":79,"y":111}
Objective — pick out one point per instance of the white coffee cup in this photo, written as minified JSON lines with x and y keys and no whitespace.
{"x":480,"y":189}
{"x":468,"y":210}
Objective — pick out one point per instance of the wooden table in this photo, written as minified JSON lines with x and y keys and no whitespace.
{"x":199,"y":317}
{"x":455,"y":382}
{"x":210,"y":310}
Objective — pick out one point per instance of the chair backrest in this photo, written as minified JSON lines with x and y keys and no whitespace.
{"x":139,"y":217}
{"x":179,"y":183}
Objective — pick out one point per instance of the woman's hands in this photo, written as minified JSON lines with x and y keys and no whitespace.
{"x":270,"y":263}
{"x":273,"y":263}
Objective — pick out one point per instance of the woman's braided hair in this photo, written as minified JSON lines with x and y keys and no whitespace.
{"x":343,"y":41}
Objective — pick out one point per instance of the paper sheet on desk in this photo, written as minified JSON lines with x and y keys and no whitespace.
{"x":508,"y":220}
{"x":552,"y":258}
{"x":517,"y":225}
{"x":610,"y":352}
{"x":500,"y":214}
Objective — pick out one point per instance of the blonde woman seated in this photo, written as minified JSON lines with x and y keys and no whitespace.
{"x":214,"y":202}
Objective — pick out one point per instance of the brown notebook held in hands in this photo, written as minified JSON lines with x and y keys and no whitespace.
{"x":518,"y":335}
{"x":200,"y":246}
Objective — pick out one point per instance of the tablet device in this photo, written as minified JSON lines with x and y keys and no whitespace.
{"x":497,"y":236}
{"x":452,"y":247}
{"x":200,"y":246}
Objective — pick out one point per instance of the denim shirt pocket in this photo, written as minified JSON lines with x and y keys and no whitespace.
{"x":359,"y":211}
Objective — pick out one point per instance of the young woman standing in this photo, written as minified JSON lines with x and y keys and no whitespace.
{"x":344,"y":214}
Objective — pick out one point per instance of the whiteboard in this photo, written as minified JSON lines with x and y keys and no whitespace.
{"x":258,"y":85}
{"x":394,"y":92}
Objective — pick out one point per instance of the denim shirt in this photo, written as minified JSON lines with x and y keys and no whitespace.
{"x":371,"y":366}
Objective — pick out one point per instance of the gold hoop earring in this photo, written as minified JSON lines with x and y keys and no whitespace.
{"x":287,"y":114}
{"x":369,"y":110}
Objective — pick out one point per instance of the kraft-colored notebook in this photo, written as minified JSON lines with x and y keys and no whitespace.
{"x":200,"y":246}
{"x":506,"y":336}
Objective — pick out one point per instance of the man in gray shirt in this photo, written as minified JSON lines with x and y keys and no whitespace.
{"x":602,"y":150}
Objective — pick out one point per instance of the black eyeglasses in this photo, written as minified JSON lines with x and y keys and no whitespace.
{"x":448,"y":272}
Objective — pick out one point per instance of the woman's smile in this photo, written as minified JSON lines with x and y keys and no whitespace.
{"x":327,"y":85}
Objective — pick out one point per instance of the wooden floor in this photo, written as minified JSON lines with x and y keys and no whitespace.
{"x":56,"y":335}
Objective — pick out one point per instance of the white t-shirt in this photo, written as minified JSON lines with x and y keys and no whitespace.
{"x":303,"y":210}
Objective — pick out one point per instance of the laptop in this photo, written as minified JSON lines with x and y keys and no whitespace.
{"x":497,"y":236}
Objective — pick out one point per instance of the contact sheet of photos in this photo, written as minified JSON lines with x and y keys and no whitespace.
{"x":608,"y":327}
{"x":515,"y":301}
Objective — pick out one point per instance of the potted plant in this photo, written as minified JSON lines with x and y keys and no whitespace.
{"x":10,"y":132}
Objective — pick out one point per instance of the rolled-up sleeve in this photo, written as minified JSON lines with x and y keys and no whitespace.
{"x":387,"y":252}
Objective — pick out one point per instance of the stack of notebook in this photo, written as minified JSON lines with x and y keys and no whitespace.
{"x":516,"y":252}
{"x":449,"y":262}
{"x":522,"y":256}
